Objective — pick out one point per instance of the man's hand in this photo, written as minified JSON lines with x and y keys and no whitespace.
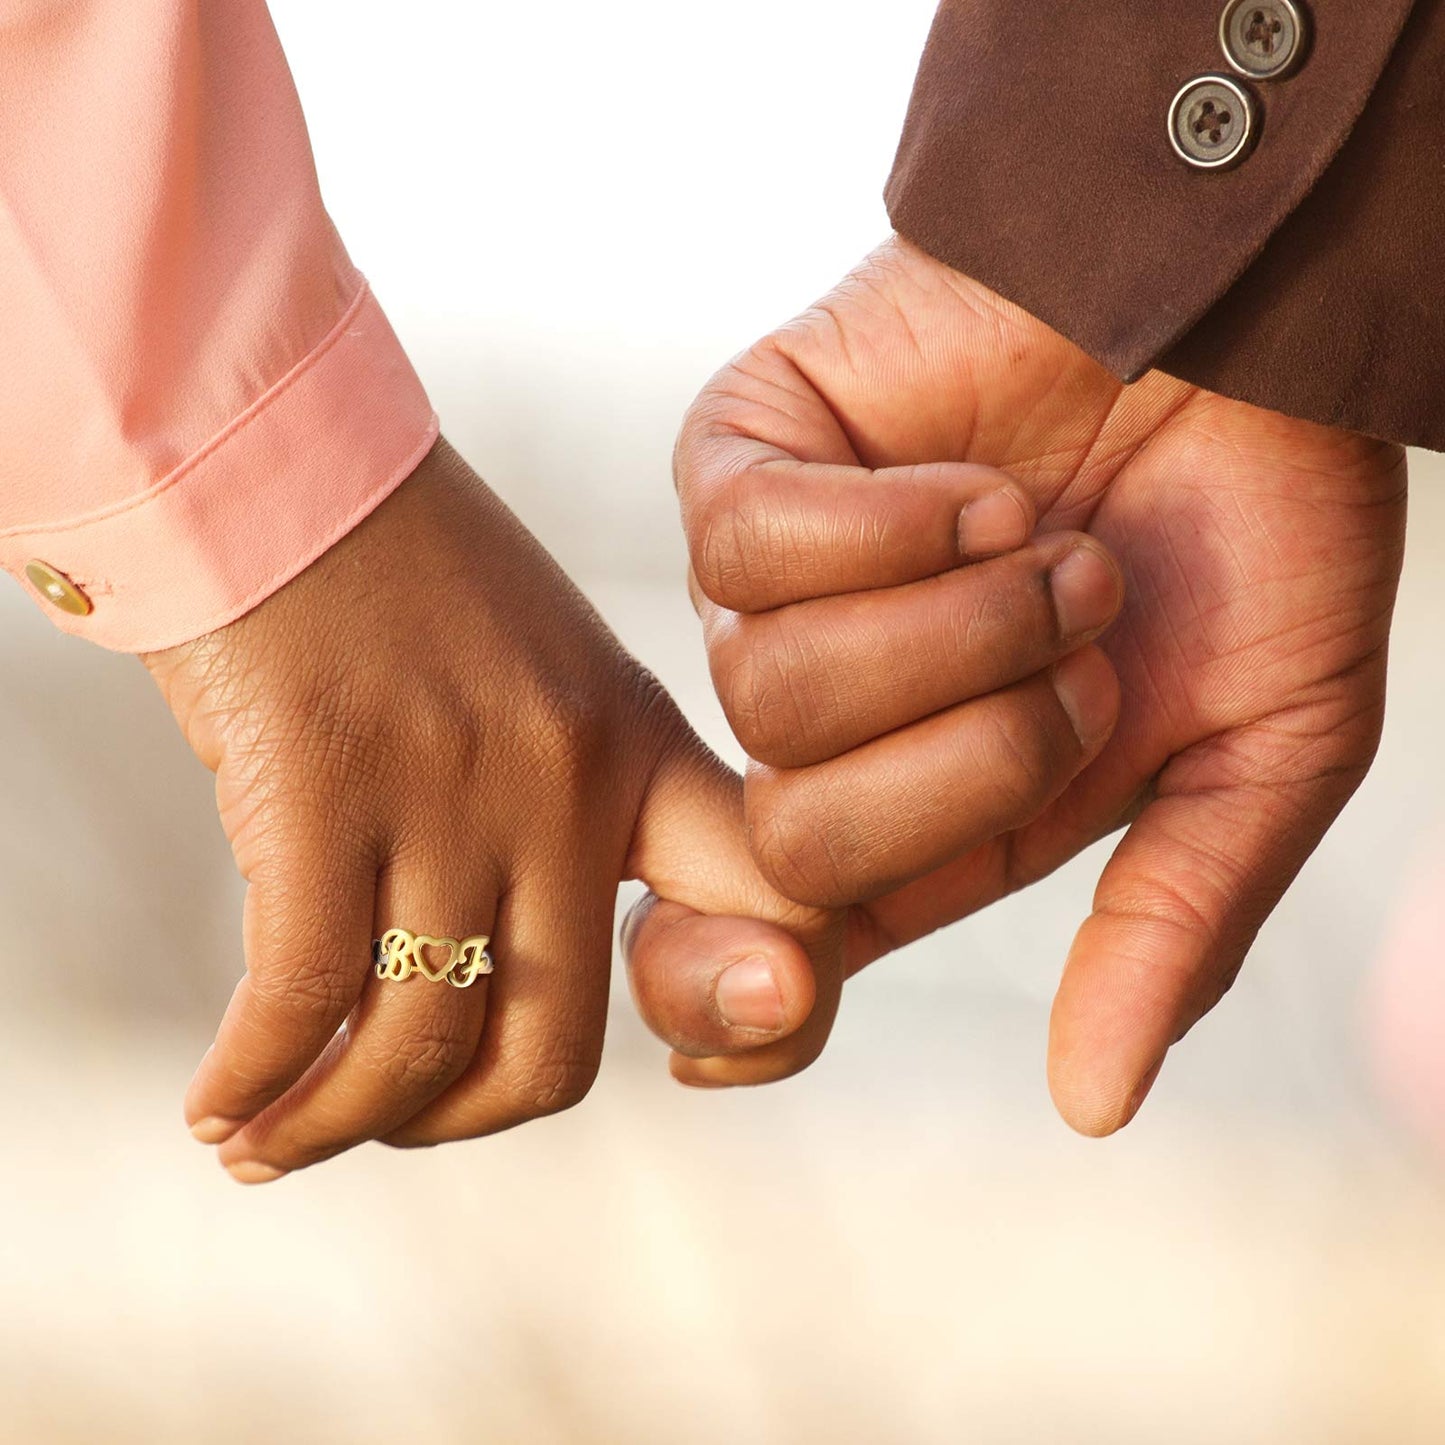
{"x":430,"y":728}
{"x":824,"y":478}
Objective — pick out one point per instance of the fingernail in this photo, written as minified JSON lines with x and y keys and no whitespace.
{"x":1082,"y":685}
{"x":1141,"y":1093}
{"x":252,"y":1171}
{"x":215,"y":1130}
{"x":992,"y":524}
{"x":1086,"y":592}
{"x":633,"y":921}
{"x":748,"y":997}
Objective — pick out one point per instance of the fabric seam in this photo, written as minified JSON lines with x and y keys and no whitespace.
{"x":297,"y":565}
{"x":232,"y":429}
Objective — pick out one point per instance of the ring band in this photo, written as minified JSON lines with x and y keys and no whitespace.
{"x":399,"y":953}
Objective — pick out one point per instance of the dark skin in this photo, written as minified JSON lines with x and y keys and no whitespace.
{"x":431,"y":728}
{"x":403,"y":735}
{"x":421,"y":742}
{"x":819,"y":477}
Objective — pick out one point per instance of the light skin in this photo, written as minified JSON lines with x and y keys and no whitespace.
{"x":822,"y":477}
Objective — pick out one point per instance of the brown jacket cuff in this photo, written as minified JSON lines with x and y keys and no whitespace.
{"x":1309,"y":279}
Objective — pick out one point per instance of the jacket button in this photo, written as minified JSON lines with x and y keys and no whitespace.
{"x":1212,"y":123}
{"x":57,"y":589}
{"x":1262,"y":40}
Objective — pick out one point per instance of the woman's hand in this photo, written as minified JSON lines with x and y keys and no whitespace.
{"x":430,"y":728}
{"x":824,"y":477}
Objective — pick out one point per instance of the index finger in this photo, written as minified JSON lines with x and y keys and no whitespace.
{"x":777,"y":509}
{"x":308,"y":953}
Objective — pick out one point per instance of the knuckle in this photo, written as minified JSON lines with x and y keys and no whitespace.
{"x":982,"y":619}
{"x":296,"y":814}
{"x":995,"y":625}
{"x":328,"y":734}
{"x":321,"y":997}
{"x":430,"y":1060}
{"x":1165,"y":913}
{"x":809,"y":864}
{"x":559,"y":1079}
{"x":444,"y":726}
{"x":573,"y":732}
{"x":569,"y":737}
{"x":1195,"y":933}
{"x":732,"y":543}
{"x":545,"y":1071}
{"x":773,"y":703}
{"x":1023,"y":758}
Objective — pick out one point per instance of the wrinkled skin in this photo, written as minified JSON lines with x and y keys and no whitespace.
{"x":1261,"y":557}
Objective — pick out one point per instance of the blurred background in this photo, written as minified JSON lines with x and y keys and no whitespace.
{"x":573,"y":213}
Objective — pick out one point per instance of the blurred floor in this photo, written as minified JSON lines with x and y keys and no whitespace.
{"x":902,"y":1246}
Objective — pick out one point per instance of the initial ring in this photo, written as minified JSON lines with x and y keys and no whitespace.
{"x":399,"y":953}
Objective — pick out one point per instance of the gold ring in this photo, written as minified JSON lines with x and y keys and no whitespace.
{"x":399,"y":953}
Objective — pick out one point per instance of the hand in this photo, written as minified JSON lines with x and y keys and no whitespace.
{"x":430,"y":728}
{"x":822,"y":476}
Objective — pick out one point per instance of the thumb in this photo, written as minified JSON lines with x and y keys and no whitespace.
{"x":741,"y":982}
{"x":1179,"y":906}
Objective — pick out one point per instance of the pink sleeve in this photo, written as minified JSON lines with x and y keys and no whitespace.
{"x":198,"y":393}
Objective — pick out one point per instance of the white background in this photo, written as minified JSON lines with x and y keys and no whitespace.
{"x":574,"y":213}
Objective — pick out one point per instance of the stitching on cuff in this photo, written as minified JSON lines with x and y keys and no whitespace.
{"x":295,"y":566}
{"x":233,"y":428}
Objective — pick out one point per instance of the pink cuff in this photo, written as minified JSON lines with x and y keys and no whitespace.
{"x":256,"y":505}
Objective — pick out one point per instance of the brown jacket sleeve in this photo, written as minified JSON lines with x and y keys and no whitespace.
{"x":1310,"y":278}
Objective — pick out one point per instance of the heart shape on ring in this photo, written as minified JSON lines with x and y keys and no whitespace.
{"x":419,"y":948}
{"x":399,"y":953}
